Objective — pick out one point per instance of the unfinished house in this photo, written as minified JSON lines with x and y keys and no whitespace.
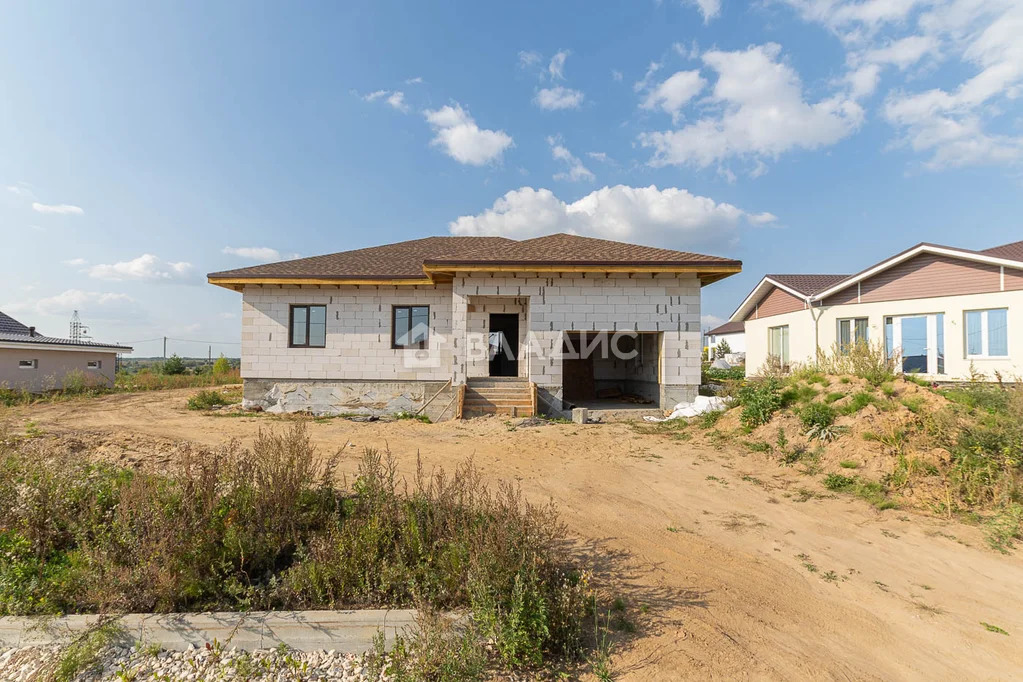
{"x":459,"y":326}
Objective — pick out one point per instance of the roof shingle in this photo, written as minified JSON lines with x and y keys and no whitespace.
{"x":405,"y":260}
{"x":13,"y":331}
{"x":808,"y":285}
{"x":729,"y":328}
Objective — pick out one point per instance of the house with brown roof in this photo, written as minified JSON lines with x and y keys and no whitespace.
{"x":467,"y":325}
{"x":35,"y":362}
{"x":732,"y":333}
{"x":944,"y":312}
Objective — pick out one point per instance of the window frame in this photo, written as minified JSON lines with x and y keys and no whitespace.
{"x":852,"y":332}
{"x":32,"y":364}
{"x":784,"y":340}
{"x":419,"y":345}
{"x":308,"y":321}
{"x":93,"y":364}
{"x":985,"y":335}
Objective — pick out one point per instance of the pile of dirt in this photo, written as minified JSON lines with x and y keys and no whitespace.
{"x":884,"y":440}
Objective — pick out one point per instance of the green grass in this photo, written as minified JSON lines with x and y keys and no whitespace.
{"x":914,"y":403}
{"x":857,"y":402}
{"x":833,"y":396}
{"x":849,"y":464}
{"x":207,"y":399}
{"x":993,"y":628}
{"x":871,"y":491}
{"x":82,"y":654}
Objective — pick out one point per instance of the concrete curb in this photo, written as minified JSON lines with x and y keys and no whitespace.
{"x":341,"y":631}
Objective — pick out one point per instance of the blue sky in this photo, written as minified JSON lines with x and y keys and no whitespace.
{"x":143,"y":145}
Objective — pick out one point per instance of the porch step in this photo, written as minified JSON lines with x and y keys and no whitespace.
{"x":497,"y":395}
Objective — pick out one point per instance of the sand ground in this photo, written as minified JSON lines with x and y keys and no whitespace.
{"x":731,"y":566}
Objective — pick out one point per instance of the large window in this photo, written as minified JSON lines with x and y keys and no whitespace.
{"x":851,"y":332}
{"x":987,"y":333}
{"x":410,"y":326}
{"x":308,"y":328}
{"x":778,"y":344}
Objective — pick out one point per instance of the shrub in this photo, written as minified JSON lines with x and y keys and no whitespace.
{"x":173,"y":365}
{"x":204,"y":400}
{"x":723,"y":349}
{"x":759,"y":401}
{"x":737,"y":373}
{"x":798,"y":393}
{"x":818,"y":420}
{"x":221,"y":365}
{"x":867,"y":361}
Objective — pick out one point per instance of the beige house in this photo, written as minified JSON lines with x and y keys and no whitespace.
{"x":480,"y":324}
{"x":943,"y":312}
{"x":36,"y":363}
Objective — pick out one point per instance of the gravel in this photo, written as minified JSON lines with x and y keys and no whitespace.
{"x":195,"y":665}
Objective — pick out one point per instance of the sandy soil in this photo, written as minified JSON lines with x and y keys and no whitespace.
{"x":731,"y":566}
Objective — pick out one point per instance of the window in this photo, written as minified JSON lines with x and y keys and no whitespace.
{"x":308,"y":326}
{"x":410,"y":326}
{"x":987,"y":333}
{"x":851,"y":332}
{"x":778,"y":344}
{"x":94,"y":364}
{"x":28,"y":364}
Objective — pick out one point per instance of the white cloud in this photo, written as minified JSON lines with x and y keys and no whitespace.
{"x":92,"y":304}
{"x":856,"y":20}
{"x":75,"y":262}
{"x":675,"y":92}
{"x":617,"y":75}
{"x":395,"y":98}
{"x":672,"y":217}
{"x":576,"y":170}
{"x":902,"y":53}
{"x":146,"y":267}
{"x":644,"y":82}
{"x":556,"y":69}
{"x":598,"y":156}
{"x":458,"y":135}
{"x":762,"y":113}
{"x":414,"y":81}
{"x":708,"y":8}
{"x":951,"y":126}
{"x":22,"y":189}
{"x":558,"y":97}
{"x":263,"y":254}
{"x":59,"y":209}
{"x":711,"y":321}
{"x":529,"y":58}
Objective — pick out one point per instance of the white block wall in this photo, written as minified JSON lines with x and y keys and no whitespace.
{"x":358,"y":344}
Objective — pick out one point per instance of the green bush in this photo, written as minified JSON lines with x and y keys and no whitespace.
{"x":204,"y":400}
{"x":817,"y":415}
{"x":221,"y":365}
{"x":759,"y":400}
{"x":712,"y":374}
{"x":173,"y":365}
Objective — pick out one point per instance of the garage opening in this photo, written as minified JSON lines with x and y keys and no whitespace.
{"x":611,"y":370}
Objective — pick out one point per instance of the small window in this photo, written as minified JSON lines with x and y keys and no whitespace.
{"x":28,"y":364}
{"x":94,"y":364}
{"x":987,"y":333}
{"x":851,"y":332}
{"x":308,"y":328}
{"x":778,"y":344}
{"x":410,"y":326}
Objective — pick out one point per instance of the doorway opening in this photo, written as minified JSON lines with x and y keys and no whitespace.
{"x":504,"y":344}
{"x":611,"y":370}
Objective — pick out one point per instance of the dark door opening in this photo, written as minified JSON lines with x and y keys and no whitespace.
{"x":504,"y":345}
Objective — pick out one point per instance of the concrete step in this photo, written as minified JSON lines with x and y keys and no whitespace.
{"x":496,"y":382}
{"x":512,"y":411}
{"x":509,"y":402}
{"x":496,"y":392}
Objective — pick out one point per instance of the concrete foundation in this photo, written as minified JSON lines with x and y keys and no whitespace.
{"x":672,"y":395}
{"x":327,"y":397}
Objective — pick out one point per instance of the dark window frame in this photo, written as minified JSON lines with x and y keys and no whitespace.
{"x":308,"y":318}
{"x":419,"y":345}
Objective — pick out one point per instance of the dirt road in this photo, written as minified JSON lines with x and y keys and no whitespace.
{"x":731,"y":566}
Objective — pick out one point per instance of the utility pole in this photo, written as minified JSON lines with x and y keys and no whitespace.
{"x":209,"y":360}
{"x":165,"y":348}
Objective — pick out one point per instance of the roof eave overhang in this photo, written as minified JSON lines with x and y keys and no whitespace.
{"x":707,"y":272}
{"x":236,"y":283}
{"x":45,"y":345}
{"x":743,"y":310}
{"x":916,"y":251}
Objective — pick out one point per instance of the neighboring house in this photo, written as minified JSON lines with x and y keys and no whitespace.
{"x":387,"y":328}
{"x":36,"y":363}
{"x":944,"y":312}
{"x":732,"y":332}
